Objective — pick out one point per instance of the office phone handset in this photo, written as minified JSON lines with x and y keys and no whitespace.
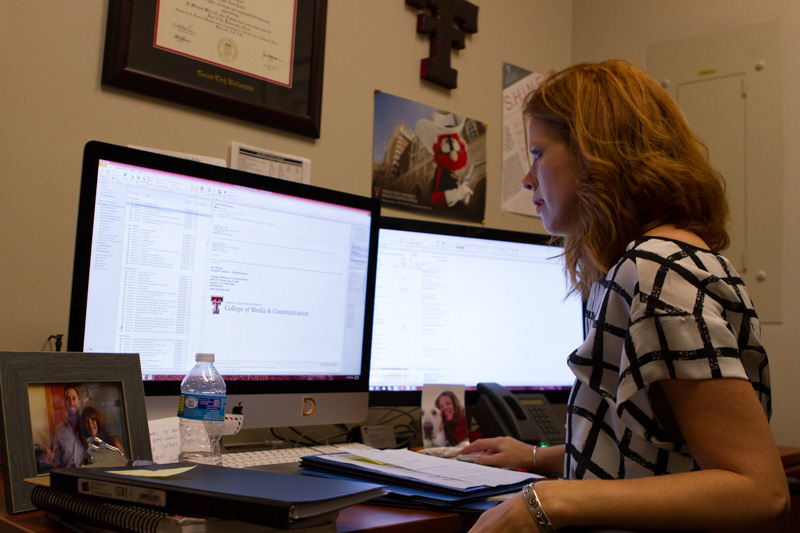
{"x":528,"y":417}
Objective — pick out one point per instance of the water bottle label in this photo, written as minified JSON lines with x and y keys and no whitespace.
{"x":202,"y":407}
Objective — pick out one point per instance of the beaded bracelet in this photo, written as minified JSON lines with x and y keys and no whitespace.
{"x":542,"y":522}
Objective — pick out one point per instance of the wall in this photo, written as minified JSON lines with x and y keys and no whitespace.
{"x":624,"y":29}
{"x":53,"y":104}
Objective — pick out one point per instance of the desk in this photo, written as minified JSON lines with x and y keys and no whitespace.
{"x":790,"y":457}
{"x":372,"y":518}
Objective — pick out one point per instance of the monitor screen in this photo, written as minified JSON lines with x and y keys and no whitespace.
{"x":276,"y":278}
{"x":463,"y":304}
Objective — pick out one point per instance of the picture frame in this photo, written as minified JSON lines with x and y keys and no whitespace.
{"x":30,"y":384}
{"x":133,"y":61}
{"x":443,"y":416}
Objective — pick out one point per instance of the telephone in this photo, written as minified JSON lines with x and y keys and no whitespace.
{"x":528,"y":417}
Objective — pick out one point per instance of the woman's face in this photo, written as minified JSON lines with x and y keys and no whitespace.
{"x":447,"y":408}
{"x":91,"y":427}
{"x":553,"y":178}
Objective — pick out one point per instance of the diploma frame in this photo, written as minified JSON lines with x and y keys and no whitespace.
{"x":132,"y":62}
{"x":21,"y":370}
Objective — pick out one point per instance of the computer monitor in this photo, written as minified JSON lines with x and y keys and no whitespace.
{"x":462,"y":305}
{"x":175,"y":257}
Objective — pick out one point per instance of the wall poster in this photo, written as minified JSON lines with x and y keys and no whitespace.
{"x":517,"y":83}
{"x":428,"y":160}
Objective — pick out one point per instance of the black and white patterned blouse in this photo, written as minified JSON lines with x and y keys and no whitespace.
{"x":666,"y":310}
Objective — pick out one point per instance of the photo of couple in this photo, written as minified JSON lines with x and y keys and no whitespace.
{"x":65,"y":416}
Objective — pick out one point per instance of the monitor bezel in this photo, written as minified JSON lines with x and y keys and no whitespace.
{"x":95,"y":151}
{"x":414,"y":397}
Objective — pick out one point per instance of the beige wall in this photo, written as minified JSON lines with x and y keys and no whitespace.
{"x":604,"y":29}
{"x":52,"y":103}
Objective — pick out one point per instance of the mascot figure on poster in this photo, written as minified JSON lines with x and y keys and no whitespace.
{"x":442,"y":137}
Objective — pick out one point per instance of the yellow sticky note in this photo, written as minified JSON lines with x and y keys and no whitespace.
{"x":164,"y":472}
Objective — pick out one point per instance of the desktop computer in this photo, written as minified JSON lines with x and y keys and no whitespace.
{"x":276,"y":278}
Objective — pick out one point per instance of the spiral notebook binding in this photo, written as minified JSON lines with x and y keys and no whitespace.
{"x":128,"y":517}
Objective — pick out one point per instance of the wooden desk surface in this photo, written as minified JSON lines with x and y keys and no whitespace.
{"x":396,"y":520}
{"x":790,"y":456}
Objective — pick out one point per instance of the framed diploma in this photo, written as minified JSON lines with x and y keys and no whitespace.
{"x":248,"y":59}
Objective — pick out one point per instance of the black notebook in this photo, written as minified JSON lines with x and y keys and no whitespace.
{"x":86,"y":513}
{"x":258,"y":496}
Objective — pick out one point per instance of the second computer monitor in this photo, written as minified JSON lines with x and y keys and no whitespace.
{"x":463,"y":304}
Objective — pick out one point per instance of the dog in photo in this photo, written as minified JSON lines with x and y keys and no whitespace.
{"x":432,"y":427}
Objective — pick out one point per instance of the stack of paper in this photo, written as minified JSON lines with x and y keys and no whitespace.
{"x":418,"y":480}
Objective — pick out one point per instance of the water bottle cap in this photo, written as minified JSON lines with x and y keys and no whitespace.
{"x":209,"y":357}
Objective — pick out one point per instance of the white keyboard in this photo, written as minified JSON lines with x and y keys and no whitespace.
{"x":283,"y":455}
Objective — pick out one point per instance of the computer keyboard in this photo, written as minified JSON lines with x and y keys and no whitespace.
{"x":276,"y":456}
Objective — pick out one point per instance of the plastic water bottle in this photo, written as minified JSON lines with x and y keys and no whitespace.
{"x":201,"y":412}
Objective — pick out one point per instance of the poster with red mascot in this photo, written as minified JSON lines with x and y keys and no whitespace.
{"x":428,"y":159}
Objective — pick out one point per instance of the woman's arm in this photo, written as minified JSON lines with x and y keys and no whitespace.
{"x":117,"y":444}
{"x":511,"y":453}
{"x":741,"y":485}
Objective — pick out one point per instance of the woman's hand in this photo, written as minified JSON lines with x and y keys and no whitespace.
{"x":510,"y":516}
{"x":504,"y":452}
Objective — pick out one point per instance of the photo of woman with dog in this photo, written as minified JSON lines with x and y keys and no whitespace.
{"x":443,"y":418}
